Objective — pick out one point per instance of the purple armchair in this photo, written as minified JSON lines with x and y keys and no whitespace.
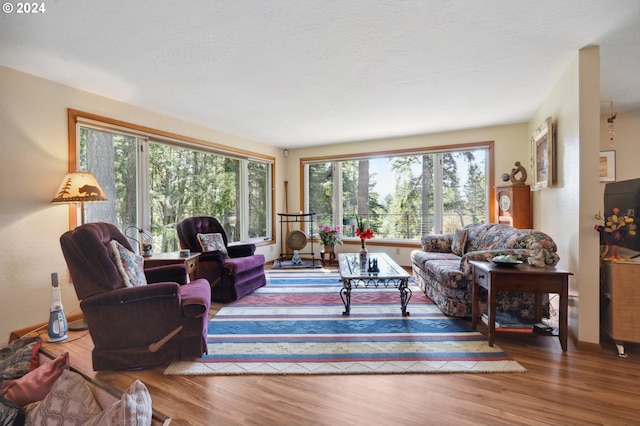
{"x":232,"y":275}
{"x":141,"y":326}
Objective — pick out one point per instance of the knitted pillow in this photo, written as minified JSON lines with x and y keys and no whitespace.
{"x":130,"y":265}
{"x":459,"y":242}
{"x":212,"y":242}
{"x":133,"y":409}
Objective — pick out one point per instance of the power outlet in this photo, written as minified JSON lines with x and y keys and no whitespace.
{"x":397,"y":250}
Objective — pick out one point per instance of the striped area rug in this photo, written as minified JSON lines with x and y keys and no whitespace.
{"x":294,"y":325}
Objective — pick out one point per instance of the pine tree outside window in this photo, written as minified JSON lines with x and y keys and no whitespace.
{"x":403,"y":196}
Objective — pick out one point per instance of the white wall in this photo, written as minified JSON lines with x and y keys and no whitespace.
{"x":565,"y":211}
{"x":626,"y":143}
{"x":33,"y":120}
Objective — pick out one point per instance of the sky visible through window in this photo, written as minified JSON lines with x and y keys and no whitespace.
{"x":385,"y":178}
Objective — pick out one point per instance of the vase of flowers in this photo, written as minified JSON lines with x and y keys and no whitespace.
{"x":330,"y":237}
{"x":614,"y":229}
{"x":364,"y":233}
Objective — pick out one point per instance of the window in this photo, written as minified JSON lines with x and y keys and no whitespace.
{"x":153,"y":183}
{"x":259,"y":201}
{"x":403,"y":196}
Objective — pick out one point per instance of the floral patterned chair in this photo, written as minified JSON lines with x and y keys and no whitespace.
{"x":442,"y":269}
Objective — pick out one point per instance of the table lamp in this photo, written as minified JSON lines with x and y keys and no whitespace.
{"x":144,"y":243}
{"x":79,"y":188}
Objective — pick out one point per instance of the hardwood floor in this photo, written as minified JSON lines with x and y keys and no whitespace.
{"x":579,"y":387}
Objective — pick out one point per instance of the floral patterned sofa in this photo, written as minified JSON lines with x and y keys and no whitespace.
{"x":442,"y":269}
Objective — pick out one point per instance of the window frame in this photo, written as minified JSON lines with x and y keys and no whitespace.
{"x":151,"y":135}
{"x":437,"y":149}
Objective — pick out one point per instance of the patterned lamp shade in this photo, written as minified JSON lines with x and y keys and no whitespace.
{"x":79,"y":187}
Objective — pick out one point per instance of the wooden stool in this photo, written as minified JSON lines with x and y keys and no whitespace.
{"x":332,"y":256}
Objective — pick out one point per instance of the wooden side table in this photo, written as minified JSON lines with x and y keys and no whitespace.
{"x":520,"y":278}
{"x":172,"y":258}
{"x":331,"y":254}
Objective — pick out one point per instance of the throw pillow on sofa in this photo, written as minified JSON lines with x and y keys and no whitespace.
{"x":130,"y":265}
{"x":36,"y":384}
{"x":212,"y":242}
{"x":70,"y":402}
{"x":459,"y":242}
{"x":133,"y":409}
{"x":19,"y":357}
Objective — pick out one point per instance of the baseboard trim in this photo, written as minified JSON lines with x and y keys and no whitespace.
{"x":587,"y":346}
{"x":16,"y":334}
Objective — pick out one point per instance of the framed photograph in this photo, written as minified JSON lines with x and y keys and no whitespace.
{"x":542,"y":156}
{"x":607,"y":166}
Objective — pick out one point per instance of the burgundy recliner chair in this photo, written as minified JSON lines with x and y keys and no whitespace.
{"x":134,"y":327}
{"x":231,"y":277}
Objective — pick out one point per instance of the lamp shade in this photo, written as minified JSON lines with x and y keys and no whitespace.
{"x":79,"y":187}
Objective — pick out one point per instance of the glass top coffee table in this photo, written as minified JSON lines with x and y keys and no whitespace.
{"x":356,"y":274}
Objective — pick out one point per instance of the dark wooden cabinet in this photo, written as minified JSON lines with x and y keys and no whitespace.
{"x":620,"y":297}
{"x":513,"y":206}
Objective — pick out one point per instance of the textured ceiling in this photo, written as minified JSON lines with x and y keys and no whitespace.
{"x":294,"y":73}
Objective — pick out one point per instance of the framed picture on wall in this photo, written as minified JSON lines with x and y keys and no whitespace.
{"x":607,"y":166}
{"x":542,"y":156}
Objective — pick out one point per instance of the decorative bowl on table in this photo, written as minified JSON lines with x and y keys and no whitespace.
{"x":505,"y":260}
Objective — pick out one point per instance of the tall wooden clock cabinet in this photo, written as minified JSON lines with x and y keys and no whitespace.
{"x":513,"y":206}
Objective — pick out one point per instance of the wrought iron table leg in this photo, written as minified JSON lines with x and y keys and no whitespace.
{"x":405,"y":296}
{"x":345,"y":295}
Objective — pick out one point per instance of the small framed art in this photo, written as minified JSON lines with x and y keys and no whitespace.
{"x":542,"y":156}
{"x":607,"y":166}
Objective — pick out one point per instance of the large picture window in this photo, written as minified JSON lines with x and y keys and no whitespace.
{"x":153,"y":183}
{"x":403,"y":196}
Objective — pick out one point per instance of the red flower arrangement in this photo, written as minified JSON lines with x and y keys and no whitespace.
{"x":362,"y":232}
